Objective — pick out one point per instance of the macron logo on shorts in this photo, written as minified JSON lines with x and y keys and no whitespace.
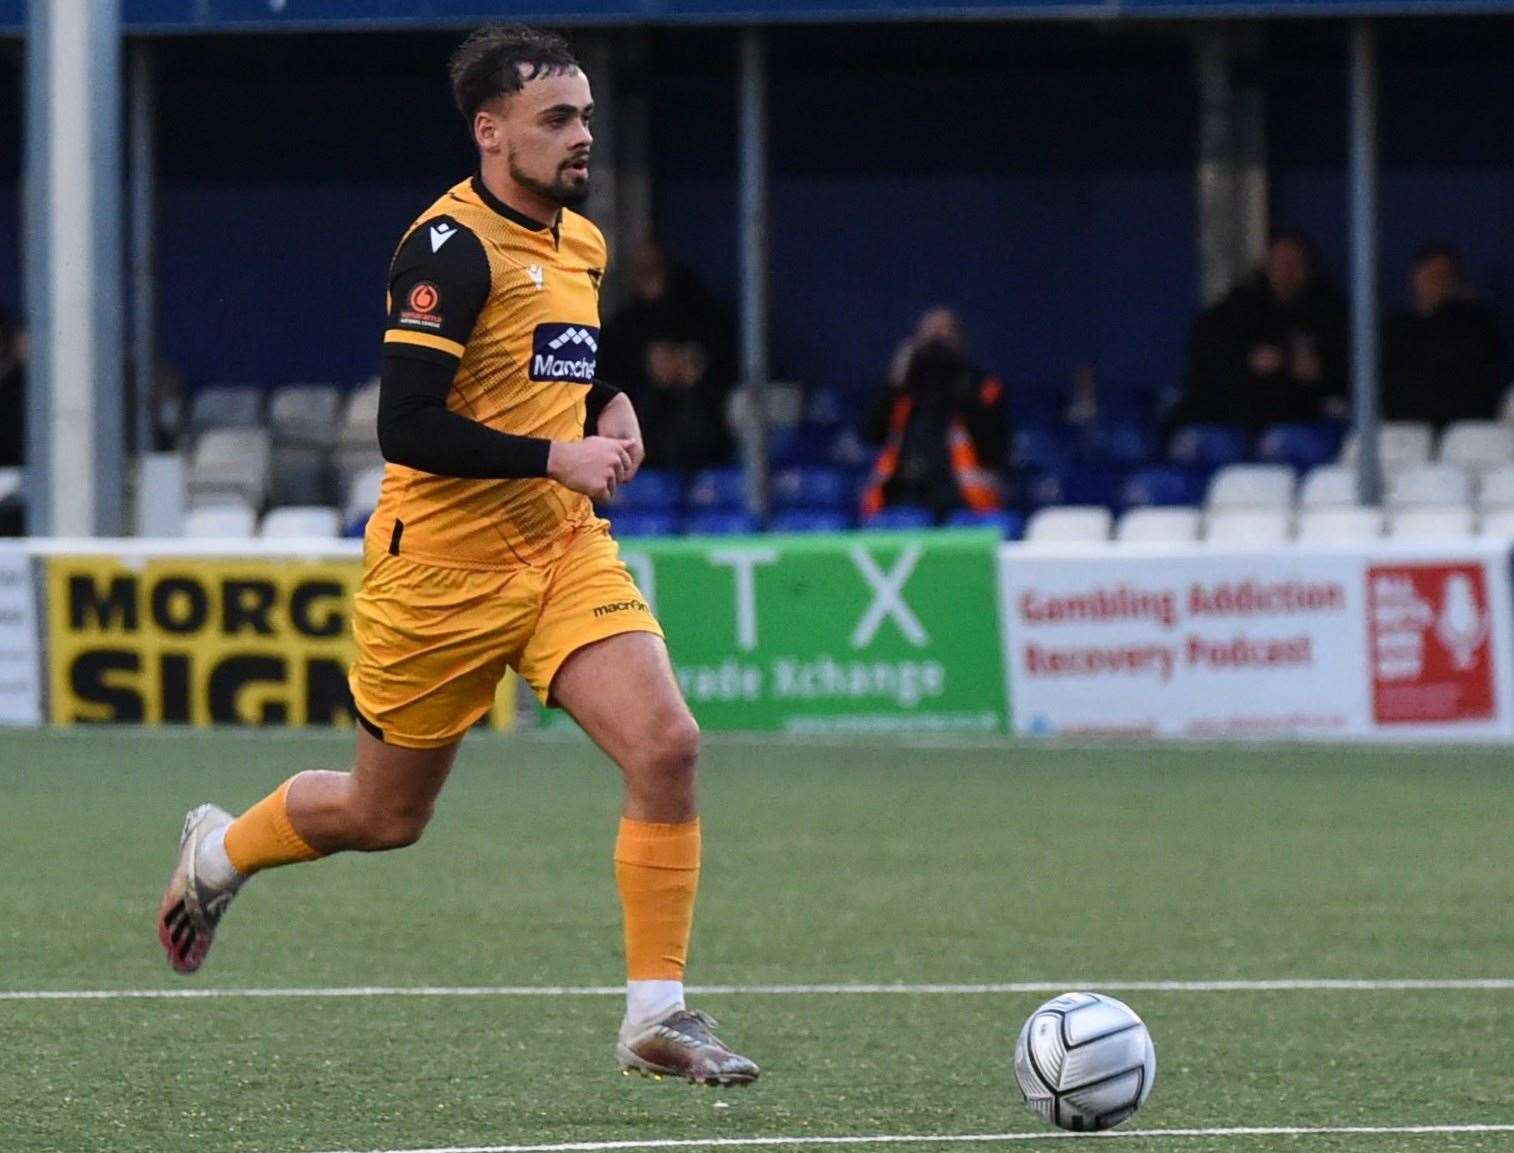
{"x":564,"y":352}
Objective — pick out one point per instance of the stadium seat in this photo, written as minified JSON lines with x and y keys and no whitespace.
{"x":1069,"y":525}
{"x":629,"y":524}
{"x":828,"y":406}
{"x":1159,"y":525}
{"x":1399,"y":445}
{"x":1498,"y":523}
{"x":809,"y":520}
{"x":1301,"y":446}
{"x":811,"y":487}
{"x":305,"y":414}
{"x":899,"y":518}
{"x":230,"y":462}
{"x":1080,"y":484}
{"x":362,"y":496}
{"x":225,"y":406}
{"x":1123,"y":442}
{"x":652,"y":490}
{"x":301,"y":521}
{"x":1328,"y":486}
{"x":1340,"y":524}
{"x":1497,"y":488}
{"x":1251,"y":486}
{"x":1249,"y":527}
{"x":1431,"y":523}
{"x":717,"y":488}
{"x":357,"y":430}
{"x":721,"y":524}
{"x":1043,"y":449}
{"x":1210,"y":444}
{"x":227,"y":519}
{"x":1429,"y":486}
{"x":10,"y":482}
{"x":1477,"y":445}
{"x":299,"y":476}
{"x":1009,"y":523}
{"x":1161,"y":484}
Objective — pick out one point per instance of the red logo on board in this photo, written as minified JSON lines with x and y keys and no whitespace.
{"x":1430,"y":626}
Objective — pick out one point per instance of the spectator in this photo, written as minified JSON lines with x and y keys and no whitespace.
{"x":665,"y":298}
{"x":1442,"y":357}
{"x":1274,"y":349}
{"x":942,"y":423}
{"x":681,"y":406}
{"x":12,"y":393}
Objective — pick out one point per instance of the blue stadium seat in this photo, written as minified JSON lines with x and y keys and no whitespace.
{"x":721,"y":524}
{"x":803,"y":444}
{"x":1127,"y":442}
{"x":1009,"y":523}
{"x":901,"y":517}
{"x":1041,"y":447}
{"x":629,"y":524}
{"x":717,"y":488}
{"x":653,"y":490}
{"x":1302,"y":445}
{"x":1212,"y":445}
{"x":1082,"y":484}
{"x":1162,"y":484}
{"x":812,"y":487}
{"x":810,"y":520}
{"x":828,"y":406}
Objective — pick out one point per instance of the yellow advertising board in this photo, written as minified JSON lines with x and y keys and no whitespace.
{"x":204,"y":641}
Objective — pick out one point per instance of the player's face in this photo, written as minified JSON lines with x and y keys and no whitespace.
{"x":548,"y":137}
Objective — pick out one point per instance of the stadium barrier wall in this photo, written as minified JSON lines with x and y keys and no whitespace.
{"x":1380,"y":641}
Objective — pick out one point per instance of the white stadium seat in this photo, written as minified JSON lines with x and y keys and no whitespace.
{"x":1328,"y":486}
{"x":1249,"y":527}
{"x":1069,"y":524}
{"x":1430,"y":486}
{"x":1399,"y":444}
{"x":1477,"y":445}
{"x":358,"y":428}
{"x":1498,"y":523}
{"x":1497,"y":488}
{"x":229,"y":519}
{"x":10,"y":482}
{"x":1159,"y":525}
{"x":305,"y":414}
{"x":1251,"y":486}
{"x":362,"y":494}
{"x":226,"y":406}
{"x":302,"y":520}
{"x":230,"y":462}
{"x":1431,"y":523}
{"x":1340,"y":524}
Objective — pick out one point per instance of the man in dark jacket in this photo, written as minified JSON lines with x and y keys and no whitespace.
{"x":1274,"y":349}
{"x":1442,"y":359}
{"x":942,"y":425}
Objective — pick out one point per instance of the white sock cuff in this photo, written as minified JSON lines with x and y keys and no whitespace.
{"x":648,"y":1001}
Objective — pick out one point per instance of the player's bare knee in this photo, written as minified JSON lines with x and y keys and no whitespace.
{"x":672,"y":753}
{"x":382,"y":828}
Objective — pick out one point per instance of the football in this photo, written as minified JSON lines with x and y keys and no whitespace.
{"x":1085,"y":1062}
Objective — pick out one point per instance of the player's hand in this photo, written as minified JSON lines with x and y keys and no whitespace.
{"x":594,"y":466}
{"x":618,"y":421}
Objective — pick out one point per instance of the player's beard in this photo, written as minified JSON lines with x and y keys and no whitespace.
{"x":561,"y":191}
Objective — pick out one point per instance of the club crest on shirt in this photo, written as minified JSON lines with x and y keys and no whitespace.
{"x":565,"y":352}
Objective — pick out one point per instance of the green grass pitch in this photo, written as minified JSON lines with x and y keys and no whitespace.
{"x":825,"y":863}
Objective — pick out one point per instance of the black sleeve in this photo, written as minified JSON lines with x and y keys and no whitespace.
{"x":438,"y":284}
{"x":417,"y":429}
{"x":600,"y":394}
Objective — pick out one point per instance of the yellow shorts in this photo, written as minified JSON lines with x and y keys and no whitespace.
{"x":433,"y":643}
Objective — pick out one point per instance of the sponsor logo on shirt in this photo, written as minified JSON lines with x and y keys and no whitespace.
{"x":564,"y":352}
{"x":421,"y":306}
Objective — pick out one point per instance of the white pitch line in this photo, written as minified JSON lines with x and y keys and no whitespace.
{"x":954,"y":1138}
{"x":1326,"y":984}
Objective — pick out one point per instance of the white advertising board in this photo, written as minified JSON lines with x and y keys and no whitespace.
{"x":20,"y":696}
{"x":1387,"y":641}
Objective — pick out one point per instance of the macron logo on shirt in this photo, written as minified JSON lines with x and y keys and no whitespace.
{"x":440,"y":234}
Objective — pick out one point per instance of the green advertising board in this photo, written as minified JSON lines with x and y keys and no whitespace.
{"x":851,"y":632}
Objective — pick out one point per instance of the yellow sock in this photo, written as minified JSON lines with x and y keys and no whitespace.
{"x":657,"y":871}
{"x":262,"y":837}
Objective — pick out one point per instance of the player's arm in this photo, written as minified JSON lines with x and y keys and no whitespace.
{"x":436,"y":291}
{"x":610,"y":413}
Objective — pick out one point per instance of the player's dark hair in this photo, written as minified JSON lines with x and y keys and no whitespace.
{"x":497,"y":60}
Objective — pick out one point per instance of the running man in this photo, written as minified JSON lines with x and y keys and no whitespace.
{"x":485,"y":554}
